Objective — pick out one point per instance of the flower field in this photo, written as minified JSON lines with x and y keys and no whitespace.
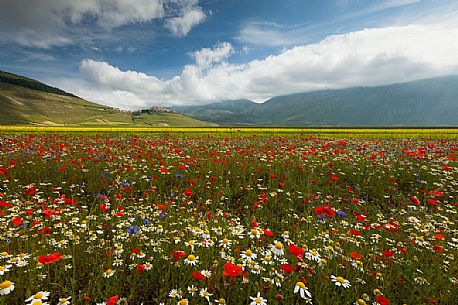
{"x":163,"y":218}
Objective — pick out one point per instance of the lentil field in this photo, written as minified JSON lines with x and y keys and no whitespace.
{"x":223,"y":218}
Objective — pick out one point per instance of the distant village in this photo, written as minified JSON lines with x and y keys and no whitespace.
{"x":154,"y":109}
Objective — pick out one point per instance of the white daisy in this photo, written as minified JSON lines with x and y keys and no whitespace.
{"x":302,"y":290}
{"x":4,"y":269}
{"x":258,"y":300}
{"x":205,"y":294}
{"x":183,"y":302}
{"x":41,"y":295}
{"x":340,"y":281}
{"x":64,"y":301}
{"x":191,"y":260}
{"x":192,"y":290}
{"x":225,"y":243}
{"x":277,"y":248}
{"x":109,"y":273}
{"x":248,"y":254}
{"x":6,"y":287}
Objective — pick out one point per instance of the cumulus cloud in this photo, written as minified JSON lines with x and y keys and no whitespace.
{"x":189,"y":15}
{"x":47,"y":23}
{"x":372,"y":56}
{"x":206,"y":57}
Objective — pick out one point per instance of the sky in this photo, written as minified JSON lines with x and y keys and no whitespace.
{"x":135,"y":54}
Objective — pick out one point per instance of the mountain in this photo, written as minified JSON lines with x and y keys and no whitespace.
{"x":429,"y":102}
{"x":232,"y":112}
{"x":25,"y":101}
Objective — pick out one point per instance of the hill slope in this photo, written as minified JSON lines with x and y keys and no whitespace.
{"x":227,"y":112}
{"x":430,"y":102}
{"x":25,"y":101}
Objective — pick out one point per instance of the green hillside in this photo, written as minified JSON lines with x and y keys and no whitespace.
{"x":427,"y":103}
{"x":25,"y":101}
{"x":229,"y":113}
{"x":26,"y":82}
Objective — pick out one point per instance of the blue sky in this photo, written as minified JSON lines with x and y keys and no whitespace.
{"x":138,"y":53}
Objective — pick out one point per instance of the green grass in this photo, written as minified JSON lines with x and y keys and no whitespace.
{"x":24,"y":106}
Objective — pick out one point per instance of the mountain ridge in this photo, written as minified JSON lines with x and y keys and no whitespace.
{"x":428,"y":102}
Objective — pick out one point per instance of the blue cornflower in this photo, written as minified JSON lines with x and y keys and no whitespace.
{"x":341,"y":213}
{"x":132,"y":230}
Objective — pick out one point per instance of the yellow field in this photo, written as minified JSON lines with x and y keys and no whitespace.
{"x":345,"y":132}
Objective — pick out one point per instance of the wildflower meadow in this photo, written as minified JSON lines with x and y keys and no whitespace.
{"x":249,"y":218}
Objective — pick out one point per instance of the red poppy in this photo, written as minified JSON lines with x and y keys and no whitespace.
{"x":268,"y":233}
{"x":70,"y":201}
{"x":355,"y":232}
{"x":232,"y":270}
{"x":45,"y":230}
{"x":5,"y":204}
{"x":198,"y":276}
{"x":414,"y":199}
{"x":50,"y":258}
{"x":112,"y":300}
{"x":325,"y":210}
{"x":296,"y":251}
{"x":360,"y":217}
{"x":436,"y":193}
{"x":188,"y":192}
{"x":439,"y":236}
{"x":437,"y":249}
{"x":403,"y":250}
{"x":17,"y":221}
{"x":140,"y":268}
{"x":432,"y":201}
{"x":30,"y":191}
{"x":287,"y":268}
{"x":382,"y":300}
{"x":356,"y":255}
{"x":178,"y":254}
{"x":388,"y":253}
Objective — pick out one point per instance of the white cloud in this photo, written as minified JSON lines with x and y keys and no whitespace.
{"x":372,"y":56}
{"x":48,"y":23}
{"x":189,"y":16}
{"x":206,"y":57}
{"x":271,"y":34}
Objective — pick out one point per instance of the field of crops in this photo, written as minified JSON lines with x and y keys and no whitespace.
{"x":378,"y":133}
{"x":253,"y":218}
